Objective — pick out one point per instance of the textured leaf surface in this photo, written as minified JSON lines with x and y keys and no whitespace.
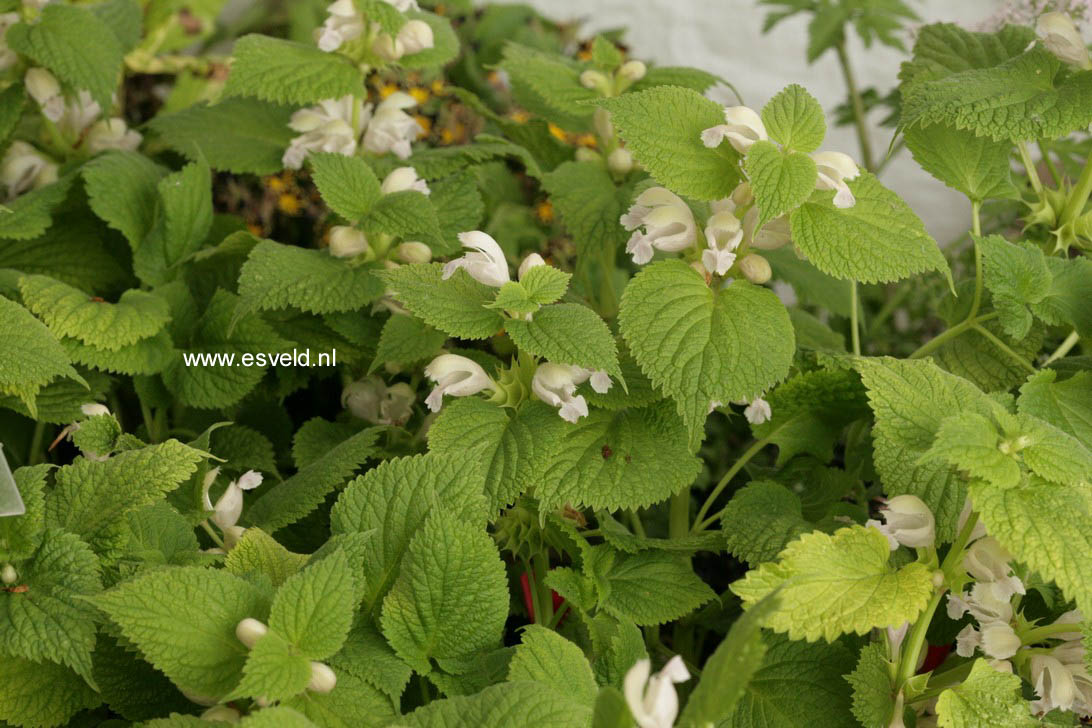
{"x":651,"y":587}
{"x":584,"y":194}
{"x":273,"y":670}
{"x":548,"y":85}
{"x":567,"y":333}
{"x":781,"y":181}
{"x":794,"y":118}
{"x":407,"y":340}
{"x":760,"y":520}
{"x":277,"y":276}
{"x":31,"y":213}
{"x":873,"y":693}
{"x":41,"y":694}
{"x":285,"y":72}
{"x":1066,"y":404}
{"x":31,"y":357}
{"x":347,"y":184}
{"x":507,"y":705}
{"x":455,"y":306}
{"x":313,"y":610}
{"x":122,"y":190}
{"x":976,"y":166}
{"x":545,"y":656}
{"x":183,"y":222}
{"x":987,"y":698}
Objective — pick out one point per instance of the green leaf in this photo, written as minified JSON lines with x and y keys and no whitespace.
{"x":124,"y":18}
{"x":459,"y":207}
{"x":31,"y":357}
{"x":515,"y":447}
{"x":455,"y":306}
{"x":506,"y":705}
{"x":158,"y":534}
{"x":13,"y":100}
{"x":68,"y":311}
{"x":878,"y":239}
{"x":650,"y":587}
{"x":838,"y":584}
{"x":976,"y":166}
{"x":781,"y":181}
{"x":548,"y":85}
{"x":273,"y":670}
{"x":662,"y":127}
{"x":625,"y":459}
{"x":313,"y":610}
{"x":51,"y":619}
{"x":1030,"y":96}
{"x":20,"y":535}
{"x":395,"y":498}
{"x":605,"y":54}
{"x":184,"y":221}
{"x":183,"y":621}
{"x":122,"y":190}
{"x":760,"y":520}
{"x":286,"y":72}
{"x":970,"y":442}
{"x":567,"y":333}
{"x":545,"y":284}
{"x":794,"y":118}
{"x":258,"y":553}
{"x":353,"y":703}
{"x":584,"y":194}
{"x":147,"y":356}
{"x":41,"y":694}
{"x":445,"y":43}
{"x":74,"y":251}
{"x":943,"y":49}
{"x":347,"y":184}
{"x":699,"y":345}
{"x":546,"y":657}
{"x":278,"y":276}
{"x":239,"y":135}
{"x":1066,"y":404}
{"x":692,"y":78}
{"x":406,"y":340}
{"x":1043,"y":525}
{"x":987,"y":698}
{"x":408,"y":215}
{"x":98,"y":435}
{"x":31,"y":213}
{"x":1018,"y":276}
{"x":292,"y":499}
{"x":451,"y":595}
{"x":76,"y":45}
{"x":873,"y":694}
{"x":910,"y":400}
{"x":981,"y":362}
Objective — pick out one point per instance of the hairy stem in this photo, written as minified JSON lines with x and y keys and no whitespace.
{"x":858,"y":106}
{"x":993,"y":339}
{"x":679,"y":515}
{"x":1063,"y":349}
{"x":1029,"y":165}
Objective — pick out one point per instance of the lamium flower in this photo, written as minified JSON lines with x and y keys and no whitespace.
{"x":632,"y":71}
{"x":391,"y":129}
{"x":743,"y":128}
{"x":758,"y":411}
{"x":533,"y":260}
{"x":79,"y":114}
{"x":999,"y":641}
{"x":723,"y":234}
{"x":1062,"y":38}
{"x":24,"y":168}
{"x":112,"y":134}
{"x":413,"y":251}
{"x":456,"y":376}
{"x":620,"y":161}
{"x":907,"y":522}
{"x":323,"y":679}
{"x":416,"y":36}
{"x":228,"y":508}
{"x":485,"y":263}
{"x":343,"y":24}
{"x":372,"y":400}
{"x":94,"y":409}
{"x":334,"y":126}
{"x":834,"y":169}
{"x":555,"y":384}
{"x":347,"y":242}
{"x":652,"y":699}
{"x":1053,"y":684}
{"x":773,"y":235}
{"x":402,"y":179}
{"x":988,"y":563}
{"x":249,"y":631}
{"x":44,"y":88}
{"x":8,"y":57}
{"x":755,"y":268}
{"x":659,"y":219}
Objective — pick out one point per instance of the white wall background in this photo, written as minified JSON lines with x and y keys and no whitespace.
{"x":725,"y":37}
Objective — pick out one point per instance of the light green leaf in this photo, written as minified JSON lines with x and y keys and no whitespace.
{"x":585,"y":197}
{"x":943,"y":49}
{"x":567,"y":333}
{"x":760,"y":520}
{"x":258,"y":553}
{"x":662,"y":127}
{"x":545,"y":656}
{"x":31,"y":214}
{"x":873,"y":694}
{"x":549,"y":86}
{"x":970,"y":442}
{"x":122,"y":190}
{"x":794,"y":118}
{"x":781,"y":181}
{"x":1066,"y":404}
{"x":408,"y":215}
{"x":451,"y":595}
{"x":459,"y":207}
{"x":313,"y":610}
{"x":455,"y":306}
{"x":974,"y":165}
{"x":353,"y":703}
{"x":41,"y":694}
{"x":147,"y":356}
{"x":285,"y":72}
{"x":699,"y":345}
{"x":31,"y":357}
{"x":273,"y":670}
{"x":545,"y":284}
{"x":347,"y":184}
{"x":21,"y":535}
{"x":650,"y":587}
{"x":988,"y":698}
{"x":878,"y":239}
{"x":838,"y":584}
{"x":406,"y":340}
{"x":506,"y":705}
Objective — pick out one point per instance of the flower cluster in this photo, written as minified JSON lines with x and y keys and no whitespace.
{"x":77,"y":117}
{"x":340,"y":126}
{"x":229,"y":507}
{"x":373,"y":401}
{"x":344,"y":24}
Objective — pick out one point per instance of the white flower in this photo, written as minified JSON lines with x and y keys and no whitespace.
{"x":758,"y":411}
{"x":723,"y":234}
{"x":387,"y":46}
{"x":834,"y":169}
{"x":323,"y":679}
{"x":592,"y":79}
{"x":967,"y":641}
{"x":1074,"y":617}
{"x":908,"y":522}
{"x":44,"y":88}
{"x":743,"y":129}
{"x":415,"y":36}
{"x":659,"y":219}
{"x":402,"y":179}
{"x":533,"y":260}
{"x":1062,"y":38}
{"x":24,"y":167}
{"x":632,"y":71}
{"x":653,"y":700}
{"x":343,"y":24}
{"x":229,"y":506}
{"x":347,"y":242}
{"x":413,"y":251}
{"x":328,"y":127}
{"x":485,"y":263}
{"x":391,"y":129}
{"x":373,"y":401}
{"x":775,"y":234}
{"x":112,"y":134}
{"x":755,"y":268}
{"x":999,"y":640}
{"x":456,"y":376}
{"x":555,"y":384}
{"x":599,"y":379}
{"x":94,"y":409}
{"x":988,"y":563}
{"x":79,"y":114}
{"x":249,"y":631}
{"x":8,"y":57}
{"x":1053,"y":684}
{"x":620,"y":161}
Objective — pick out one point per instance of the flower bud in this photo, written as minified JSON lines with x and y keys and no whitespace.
{"x":1062,"y":38}
{"x":755,"y":268}
{"x":584,"y":154}
{"x":388,"y":48}
{"x":531,"y":261}
{"x":595,"y":80}
{"x":620,"y":161}
{"x":413,"y":252}
{"x":44,"y":89}
{"x":323,"y":678}
{"x":8,"y":575}
{"x":775,"y":234}
{"x":632,"y":71}
{"x":603,"y":125}
{"x":404,"y":178}
{"x":249,"y":631}
{"x":415,"y":36}
{"x":221,"y":713}
{"x":347,"y":242}
{"x":94,"y":409}
{"x":999,"y":640}
{"x":908,"y":522}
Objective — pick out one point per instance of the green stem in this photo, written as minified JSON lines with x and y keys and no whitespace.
{"x":1065,"y":347}
{"x":562,"y":610}
{"x":1038,"y":634}
{"x":635,"y":523}
{"x":854,"y":326}
{"x":679,"y":515}
{"x":888,"y":308}
{"x":541,"y":563}
{"x":532,"y":586}
{"x":212,"y":534}
{"x":1079,"y":196}
{"x":858,"y":106}
{"x":1005,"y":348}
{"x":36,"y":444}
{"x":976,"y":229}
{"x":700,"y":521}
{"x":962,"y":327}
{"x":1051,"y":167}
{"x":1029,"y":165}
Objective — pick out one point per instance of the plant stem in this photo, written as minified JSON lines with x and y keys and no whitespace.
{"x":541,"y":562}
{"x":1029,"y":165}
{"x":1051,"y":167}
{"x":562,"y":610}
{"x":1065,"y":347}
{"x":532,"y":587}
{"x":1038,"y":634}
{"x":1079,"y":196}
{"x":962,"y":327}
{"x":700,"y":521}
{"x":36,"y":444}
{"x":678,"y":524}
{"x":1005,"y":348}
{"x":858,"y":106}
{"x":854,"y":326}
{"x":212,"y":534}
{"x":635,"y":522}
{"x":976,"y":229}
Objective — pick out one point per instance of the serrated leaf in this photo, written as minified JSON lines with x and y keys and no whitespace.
{"x":258,"y":553}
{"x":794,"y":118}
{"x":877,"y":239}
{"x":873,"y":694}
{"x":13,"y":100}
{"x":75,"y":251}
{"x":183,"y":221}
{"x":445,"y":43}
{"x":41,"y":694}
{"x":122,"y":190}
{"x":699,"y":345}
{"x":408,"y":215}
{"x":987,"y":698}
{"x":286,"y":72}
{"x":347,"y":184}
{"x":97,"y":435}
{"x":68,"y":311}
{"x":22,"y":526}
{"x":545,"y":656}
{"x":147,"y":356}
{"x":662,"y":127}
{"x":781,"y":181}
{"x":584,"y":194}
{"x":1066,"y":404}
{"x":548,"y":85}
{"x":273,"y":670}
{"x":160,"y":535}
{"x":567,"y":333}
{"x":506,"y":705}
{"x":32,"y":357}
{"x":838,"y":584}
{"x":451,"y":595}
{"x":183,"y":621}
{"x":942,"y":49}
{"x":1018,"y":276}
{"x":31,"y":214}
{"x":760,"y":520}
{"x":624,"y":459}
{"x":981,"y":362}
{"x":970,"y":442}
{"x":455,"y":306}
{"x":406,"y":340}
{"x":974,"y":165}
{"x":684,"y":76}
{"x":353,"y":703}
{"x":651,"y":587}
{"x":76,"y":45}
{"x":367,"y":654}
{"x":313,"y":610}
